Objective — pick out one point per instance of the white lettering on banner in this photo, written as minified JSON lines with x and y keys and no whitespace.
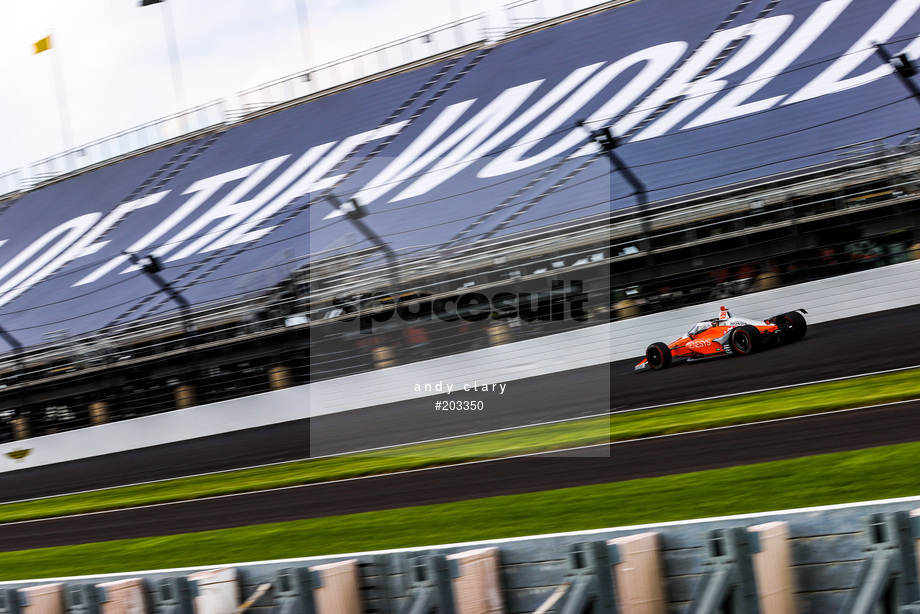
{"x":676,"y":85}
{"x":66,"y":235}
{"x":832,"y":79}
{"x":228,"y":233}
{"x":468,"y":150}
{"x":396,"y":172}
{"x":912,"y":51}
{"x":462,"y":142}
{"x":114,"y":262}
{"x":314,"y":179}
{"x":698,"y":91}
{"x":229,"y":208}
{"x":203,"y":190}
{"x":734,"y":103}
{"x":657,"y":60}
{"x":86,"y":244}
{"x":114,"y":217}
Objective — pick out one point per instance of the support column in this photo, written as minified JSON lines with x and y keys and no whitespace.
{"x":639,"y":574}
{"x":21,"y":428}
{"x":185,"y":396}
{"x":773,"y":568}
{"x":499,"y":333}
{"x":279,"y":377}
{"x":384,"y":357}
{"x":98,"y":413}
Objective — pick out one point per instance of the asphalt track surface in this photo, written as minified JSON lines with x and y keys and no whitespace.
{"x":858,"y":345}
{"x":836,"y":349}
{"x":629,"y":460}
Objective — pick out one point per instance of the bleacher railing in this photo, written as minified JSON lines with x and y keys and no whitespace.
{"x":10,"y":182}
{"x":357,"y":66}
{"x":523,"y":13}
{"x":126,"y":141}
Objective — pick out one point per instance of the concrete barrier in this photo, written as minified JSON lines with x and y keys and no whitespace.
{"x":126,"y":596}
{"x":772,"y":568}
{"x":824,"y":545}
{"x":478,"y":590}
{"x":639,"y":575}
{"x":179,"y":425}
{"x":44,"y":599}
{"x":339,"y":592}
{"x":870,"y":291}
{"x":218,"y":591}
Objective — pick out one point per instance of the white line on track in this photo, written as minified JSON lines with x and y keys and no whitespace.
{"x":487,"y":432}
{"x":604,"y":531}
{"x":462,"y":464}
{"x":451,"y":437}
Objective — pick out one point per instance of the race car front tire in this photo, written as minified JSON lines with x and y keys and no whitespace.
{"x":658,"y":356}
{"x":745,"y":340}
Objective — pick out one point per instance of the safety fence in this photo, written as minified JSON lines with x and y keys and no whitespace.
{"x":857,"y":558}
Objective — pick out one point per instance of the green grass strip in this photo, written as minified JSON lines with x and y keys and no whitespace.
{"x":672,"y":419}
{"x":874,"y":473}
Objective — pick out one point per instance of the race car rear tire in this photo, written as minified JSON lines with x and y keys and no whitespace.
{"x":795,"y":325}
{"x":658,"y":356}
{"x":745,"y":340}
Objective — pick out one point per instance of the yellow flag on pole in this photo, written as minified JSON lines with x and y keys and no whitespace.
{"x":42,"y":45}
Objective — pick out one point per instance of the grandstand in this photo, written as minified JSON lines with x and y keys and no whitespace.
{"x":217,"y":329}
{"x":773,"y":146}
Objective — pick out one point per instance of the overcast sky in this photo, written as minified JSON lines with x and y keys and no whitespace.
{"x":114,"y":60}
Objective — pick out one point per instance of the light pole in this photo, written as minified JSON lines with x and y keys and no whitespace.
{"x":306,"y":40}
{"x":151,"y":267}
{"x":903,"y":68}
{"x":173,"y":51}
{"x":354,"y":212}
{"x":608,"y":142}
{"x":41,"y":46}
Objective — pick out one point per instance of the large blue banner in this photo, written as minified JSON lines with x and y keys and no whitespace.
{"x":471,"y":149}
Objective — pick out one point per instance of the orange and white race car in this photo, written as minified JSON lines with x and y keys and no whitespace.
{"x":726,"y":336}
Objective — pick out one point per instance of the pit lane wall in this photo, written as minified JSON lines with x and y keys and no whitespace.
{"x":824,"y":551}
{"x":869,"y":291}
